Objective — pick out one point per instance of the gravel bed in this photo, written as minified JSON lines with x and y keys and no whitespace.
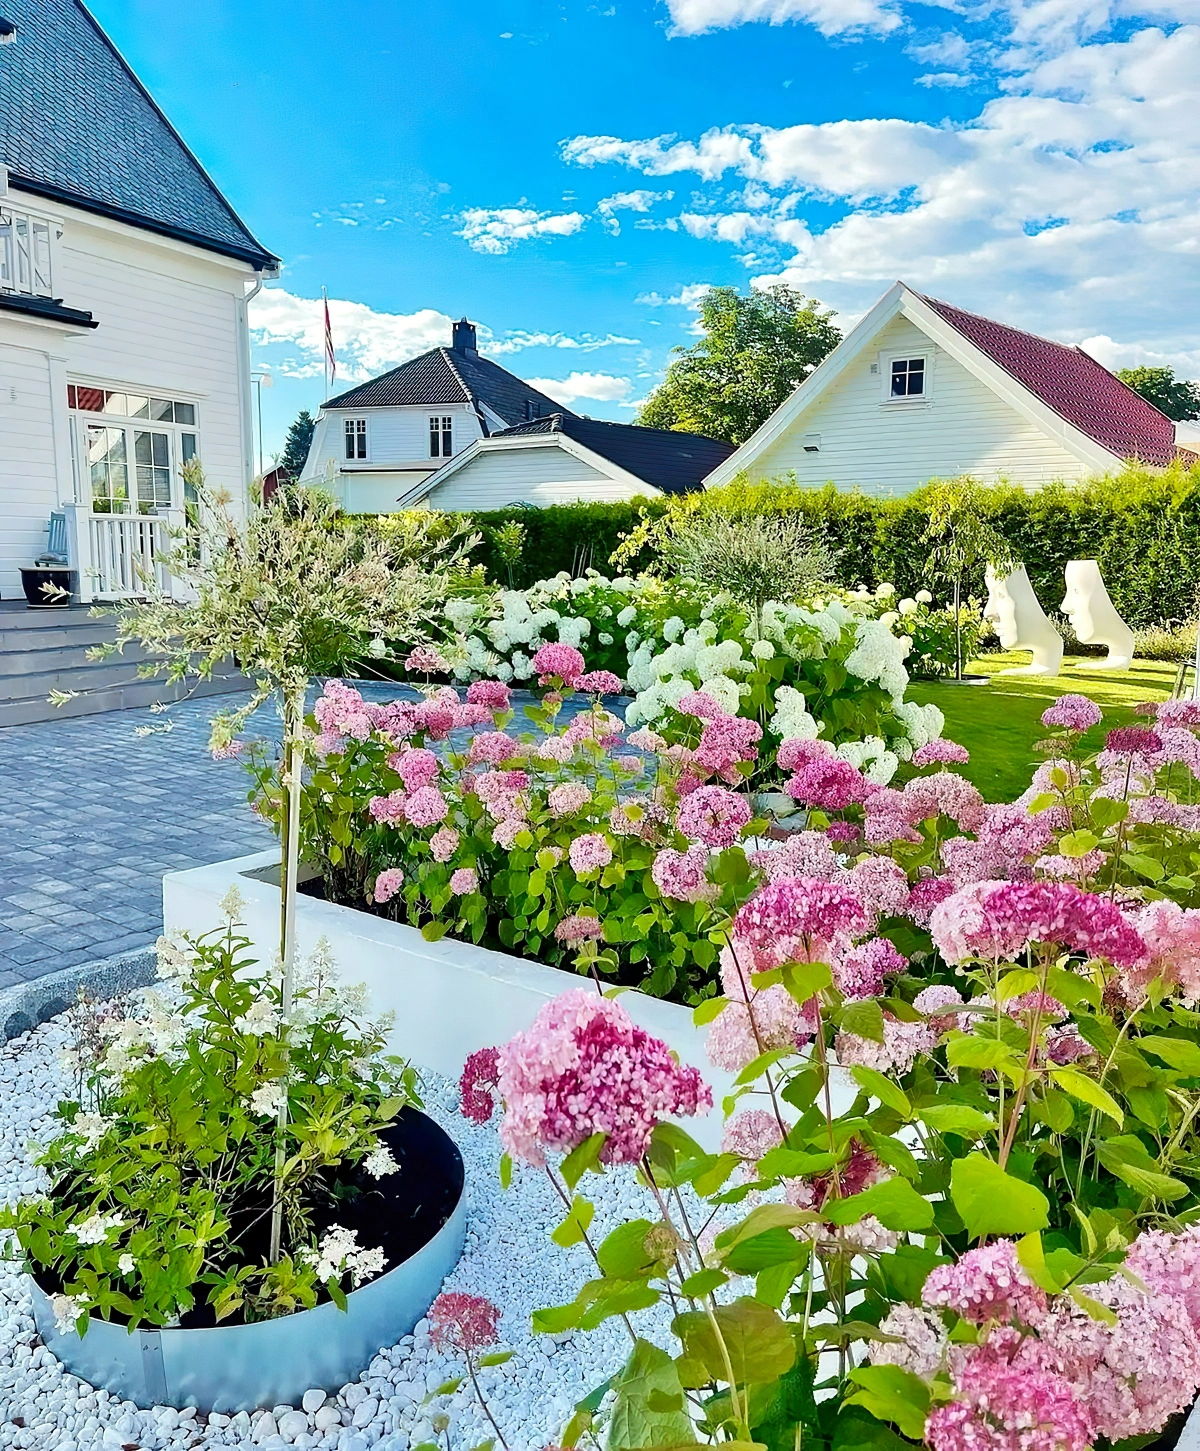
{"x":508,"y":1257}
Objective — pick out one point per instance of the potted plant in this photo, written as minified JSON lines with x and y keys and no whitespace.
{"x":150,"y":1255}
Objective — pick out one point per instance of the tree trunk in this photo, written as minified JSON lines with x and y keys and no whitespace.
{"x":958,"y":662}
{"x":291,"y":777}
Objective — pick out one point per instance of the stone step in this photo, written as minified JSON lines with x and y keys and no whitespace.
{"x":46,"y":632}
{"x":25,"y":710}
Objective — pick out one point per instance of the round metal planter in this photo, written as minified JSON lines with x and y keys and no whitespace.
{"x":231,"y":1368}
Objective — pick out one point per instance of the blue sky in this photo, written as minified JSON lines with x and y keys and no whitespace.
{"x":571,"y":173}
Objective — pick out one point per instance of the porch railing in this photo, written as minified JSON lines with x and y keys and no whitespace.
{"x":117,"y":556}
{"x":27,"y":247}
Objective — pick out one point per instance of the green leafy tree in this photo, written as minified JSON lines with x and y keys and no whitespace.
{"x":1173,"y":396}
{"x":754,"y":350}
{"x":962,"y":539}
{"x":297,"y":444}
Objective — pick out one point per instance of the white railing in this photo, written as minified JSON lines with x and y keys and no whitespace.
{"x":27,"y":246}
{"x":118,"y":556}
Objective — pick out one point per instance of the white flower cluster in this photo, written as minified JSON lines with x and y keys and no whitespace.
{"x":339,"y":1254}
{"x":380,"y":1161}
{"x":259,"y":1019}
{"x":872,"y":757}
{"x":269,"y":1098}
{"x":94,"y":1229}
{"x":878,"y":656}
{"x":67,"y":1310}
{"x":922,"y":724}
{"x":692,"y":659}
{"x":791,"y":721}
{"x":92,"y":1127}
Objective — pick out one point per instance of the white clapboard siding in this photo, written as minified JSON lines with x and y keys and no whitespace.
{"x":168,"y":323}
{"x":394,"y":435}
{"x":889,"y":449}
{"x":28,"y":479}
{"x":538,"y":475}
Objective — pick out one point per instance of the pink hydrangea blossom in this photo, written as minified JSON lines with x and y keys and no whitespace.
{"x":585,"y":1068}
{"x":558,"y":662}
{"x":634,"y":765}
{"x":599,"y":682}
{"x":556,"y":748}
{"x":1006,"y":841}
{"x":859,"y":971}
{"x":933,"y":1000}
{"x":595,"y":725}
{"x":799,"y":917}
{"x":926,"y":893}
{"x":425,"y":660}
{"x":750,"y":1134}
{"x":590,"y":852}
{"x":680,"y":875}
{"x":426,"y":806}
{"x":1172,"y":936}
{"x":801,"y":854}
{"x":1003,"y":1406}
{"x":443,"y":843}
{"x":1131,"y":1376}
{"x":492,"y":786}
{"x":388,"y":810}
{"x":1184,"y":713}
{"x":843,"y":832}
{"x":388,"y":883}
{"x":713,"y":815}
{"x":1072,"y":713}
{"x":828,"y":783}
{"x":492,"y":693}
{"x":794,"y":753}
{"x":988,"y":1283}
{"x":999,"y":920}
{"x":920,"y":1344}
{"x":464,"y":881}
{"x":506,"y":831}
{"x":340,"y":710}
{"x":1133,"y":741}
{"x":903,"y":1044}
{"x":941,"y":752}
{"x":480,"y":1075}
{"x":1179,"y":746}
{"x":945,"y":794}
{"x":416,"y":768}
{"x":435,"y":718}
{"x":646,"y":740}
{"x":725,"y":742}
{"x":1071,"y":868}
{"x":881,"y":885}
{"x":574,"y":930}
{"x":771,"y":1019}
{"x":701,"y":705}
{"x":568,"y":798}
{"x":1169,"y":1264}
{"x":1065,"y":1044}
{"x":492,"y":747}
{"x":462,"y":1322}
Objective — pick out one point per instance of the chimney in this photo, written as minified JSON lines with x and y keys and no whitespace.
{"x":464,"y":337}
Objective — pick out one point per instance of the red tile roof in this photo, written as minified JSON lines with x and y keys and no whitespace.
{"x":1074,"y":385}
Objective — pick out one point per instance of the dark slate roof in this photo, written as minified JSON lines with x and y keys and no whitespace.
{"x":77,"y":126}
{"x":1074,"y":385}
{"x":674,"y":462}
{"x":449,"y":375}
{"x":49,"y":308}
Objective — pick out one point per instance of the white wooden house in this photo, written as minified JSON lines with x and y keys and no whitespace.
{"x":920,"y":389}
{"x":124,"y":279}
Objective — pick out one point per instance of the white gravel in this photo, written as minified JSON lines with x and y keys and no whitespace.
{"x":508,"y":1257}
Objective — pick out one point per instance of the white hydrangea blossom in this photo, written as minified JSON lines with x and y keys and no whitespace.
{"x":67,"y":1309}
{"x":268,"y":1099}
{"x":627,"y":616}
{"x":762,"y":650}
{"x":92,"y":1127}
{"x":94,"y":1229}
{"x":922,"y":723}
{"x":724,"y":691}
{"x":127,"y":1264}
{"x":878,"y":656}
{"x":380,"y":1161}
{"x":872,"y":757}
{"x":791,"y":721}
{"x":339,"y":1254}
{"x":259,"y":1019}
{"x":673,"y":628}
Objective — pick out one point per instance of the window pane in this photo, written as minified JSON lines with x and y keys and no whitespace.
{"x":108,"y":470}
{"x":116,"y":403}
{"x":91,"y":400}
{"x":435,"y":439}
{"x":71,"y":403}
{"x":186,"y":413}
{"x":187,"y":448}
{"x":161,"y":410}
{"x":152,"y":454}
{"x":138,"y":407}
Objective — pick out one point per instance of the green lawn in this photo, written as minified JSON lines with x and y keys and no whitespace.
{"x":999,"y":723}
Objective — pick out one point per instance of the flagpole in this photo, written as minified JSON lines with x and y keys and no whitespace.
{"x":325,"y":301}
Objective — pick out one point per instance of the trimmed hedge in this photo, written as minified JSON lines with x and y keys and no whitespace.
{"x":1142,"y":526}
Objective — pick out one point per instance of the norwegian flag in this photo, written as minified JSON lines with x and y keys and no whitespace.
{"x":330,"y":355}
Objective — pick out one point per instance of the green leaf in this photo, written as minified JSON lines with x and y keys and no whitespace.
{"x":623,"y":1254}
{"x":892,"y":1394}
{"x":1088,"y":1091}
{"x":506,"y":1168}
{"x":887,"y":1092}
{"x":991,"y":1201}
{"x":582,"y":1158}
{"x":894,"y":1202}
{"x":579,"y":1423}
{"x":574,"y":1228}
{"x":703,"y":1283}
{"x":804,"y":980}
{"x":772,"y":1283}
{"x":1094,"y":1308}
{"x":1129,"y":1159}
{"x":1177,"y":1053}
{"x":773,"y":1247}
{"x":433,"y":931}
{"x":634,"y":1422}
{"x":448,"y":1387}
{"x":864,"y":1018}
{"x":1013,"y":984}
{"x":956,"y":1118}
{"x":1078,"y":843}
{"x":970,"y":1051}
{"x":758,"y":1343}
{"x":781,"y":1163}
{"x":709,"y":1009}
{"x":1033,"y":1260}
{"x":762,"y":1218}
{"x":1145,"y":866}
{"x":497,"y":1357}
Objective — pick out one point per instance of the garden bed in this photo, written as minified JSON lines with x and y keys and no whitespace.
{"x":450,"y":998}
{"x":508,"y":1257}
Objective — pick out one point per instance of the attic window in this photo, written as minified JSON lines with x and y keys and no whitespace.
{"x":356,"y":438}
{"x":532,"y":409}
{"x":908,"y":378}
{"x":441,"y":435}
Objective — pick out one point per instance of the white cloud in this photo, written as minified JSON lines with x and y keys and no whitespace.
{"x":495,"y":229}
{"x":831,"y":17}
{"x":688,"y":296}
{"x":601,"y":387}
{"x":628,"y":201}
{"x":1070,"y":203}
{"x":515,"y":342}
{"x":944,"y":79}
{"x":367,"y":342}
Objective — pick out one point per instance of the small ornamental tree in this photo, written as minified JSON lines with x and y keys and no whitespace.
{"x":963,"y":541}
{"x":286,"y":595}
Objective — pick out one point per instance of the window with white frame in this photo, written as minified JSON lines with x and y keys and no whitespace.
{"x":356,"y":438}
{"x":907,"y":378}
{"x":129,"y":449}
{"x":441,"y":435}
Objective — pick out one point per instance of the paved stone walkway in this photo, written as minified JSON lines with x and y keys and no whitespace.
{"x":92,"y":815}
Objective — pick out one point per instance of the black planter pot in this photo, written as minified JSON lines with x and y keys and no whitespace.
{"x":34,"y":577}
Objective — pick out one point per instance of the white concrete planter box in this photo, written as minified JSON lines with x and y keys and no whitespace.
{"x":449,"y":997}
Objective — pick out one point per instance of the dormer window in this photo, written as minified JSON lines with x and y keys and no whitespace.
{"x":356,"y":438}
{"x":532,"y":410}
{"x":908,"y":378}
{"x":441,"y":435}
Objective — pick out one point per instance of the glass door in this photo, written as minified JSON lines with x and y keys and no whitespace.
{"x":108,"y":469}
